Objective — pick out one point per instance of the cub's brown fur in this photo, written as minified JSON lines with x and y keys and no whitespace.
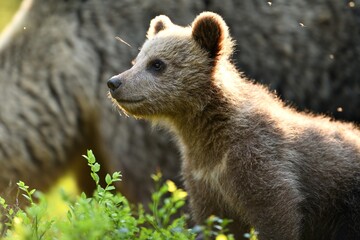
{"x":246,"y":156}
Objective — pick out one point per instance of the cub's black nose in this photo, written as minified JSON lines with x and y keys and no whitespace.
{"x":114,"y":83}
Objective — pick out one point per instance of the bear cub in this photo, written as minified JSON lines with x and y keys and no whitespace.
{"x":246,"y":156}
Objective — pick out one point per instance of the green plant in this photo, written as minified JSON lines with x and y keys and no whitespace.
{"x":106,"y":214}
{"x":163,"y":208}
{"x":252,"y":235}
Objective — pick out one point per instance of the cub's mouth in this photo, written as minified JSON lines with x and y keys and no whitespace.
{"x":121,"y":100}
{"x":127,"y":101}
{"x":124,"y":101}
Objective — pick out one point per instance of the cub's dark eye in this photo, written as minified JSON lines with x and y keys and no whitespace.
{"x":156,"y":66}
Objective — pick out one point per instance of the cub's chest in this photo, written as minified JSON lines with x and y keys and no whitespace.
{"x":212,"y":173}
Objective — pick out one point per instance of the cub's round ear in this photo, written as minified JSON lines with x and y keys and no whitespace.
{"x":210,"y":31}
{"x":158,"y":24}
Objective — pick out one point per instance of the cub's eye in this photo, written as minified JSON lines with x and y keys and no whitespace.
{"x":157,"y":66}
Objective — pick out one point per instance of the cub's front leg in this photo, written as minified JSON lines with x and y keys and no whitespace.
{"x":205,"y":201}
{"x":271,"y":204}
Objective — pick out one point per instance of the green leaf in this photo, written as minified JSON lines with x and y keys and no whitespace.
{"x":95,"y":177}
{"x":69,"y":215}
{"x":26,"y":196}
{"x":179,"y":204}
{"x":116,"y":176}
{"x":95,"y":167}
{"x":108,"y":179}
{"x":21,"y":184}
{"x":110,"y":188}
{"x":83,"y":195}
{"x":91,"y":156}
{"x":2,"y":201}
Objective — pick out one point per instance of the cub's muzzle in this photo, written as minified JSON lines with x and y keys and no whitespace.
{"x":114,"y":83}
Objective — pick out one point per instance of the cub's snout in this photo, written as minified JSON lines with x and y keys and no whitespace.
{"x":114,"y":83}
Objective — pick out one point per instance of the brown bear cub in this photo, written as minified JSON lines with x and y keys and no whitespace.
{"x":246,"y":156}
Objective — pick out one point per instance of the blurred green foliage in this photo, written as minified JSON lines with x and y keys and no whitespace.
{"x":7,"y":10}
{"x":106,"y":215}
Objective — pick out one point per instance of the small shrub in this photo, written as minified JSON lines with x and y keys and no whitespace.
{"x":106,"y":214}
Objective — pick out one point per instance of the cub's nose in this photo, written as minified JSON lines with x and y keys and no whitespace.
{"x":114,"y":83}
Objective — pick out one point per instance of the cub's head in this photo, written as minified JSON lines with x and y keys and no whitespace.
{"x":173,"y":72}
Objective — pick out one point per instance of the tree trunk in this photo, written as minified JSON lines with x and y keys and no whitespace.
{"x":55,"y":63}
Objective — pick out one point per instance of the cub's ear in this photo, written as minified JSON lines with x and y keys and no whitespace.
{"x":158,"y":24}
{"x":210,"y":31}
